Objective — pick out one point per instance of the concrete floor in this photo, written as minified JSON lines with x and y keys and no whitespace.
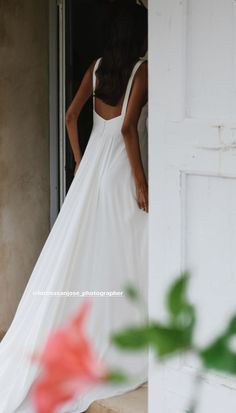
{"x":131,"y":402}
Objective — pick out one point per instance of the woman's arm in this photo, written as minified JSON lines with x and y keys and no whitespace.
{"x":138,"y":97}
{"x":84,"y":92}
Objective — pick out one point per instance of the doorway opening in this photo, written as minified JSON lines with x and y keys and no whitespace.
{"x":85,"y":35}
{"x":78,"y":30}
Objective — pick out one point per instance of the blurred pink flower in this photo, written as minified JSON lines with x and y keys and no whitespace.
{"x":69,"y":365}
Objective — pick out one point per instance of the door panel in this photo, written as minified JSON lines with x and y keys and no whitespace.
{"x":192,"y":158}
{"x":211,"y":48}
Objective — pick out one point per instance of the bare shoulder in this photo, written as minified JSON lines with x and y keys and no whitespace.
{"x":137,"y":98}
{"x":144,"y":66}
{"x":140,"y":81}
{"x":142,"y":72}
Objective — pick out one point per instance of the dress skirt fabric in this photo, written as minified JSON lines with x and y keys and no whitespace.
{"x":98,"y":243}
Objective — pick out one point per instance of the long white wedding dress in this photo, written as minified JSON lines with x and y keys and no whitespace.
{"x":98,"y":243}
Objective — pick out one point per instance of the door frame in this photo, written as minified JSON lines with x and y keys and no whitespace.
{"x":62,"y":100}
{"x":56,"y":106}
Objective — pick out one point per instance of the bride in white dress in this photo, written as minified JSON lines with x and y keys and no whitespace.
{"x":99,"y":240}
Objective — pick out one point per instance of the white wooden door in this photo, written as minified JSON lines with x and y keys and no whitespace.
{"x":192,"y":166}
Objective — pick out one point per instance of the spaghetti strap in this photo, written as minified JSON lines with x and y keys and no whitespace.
{"x":94,"y":77}
{"x":129,"y":85}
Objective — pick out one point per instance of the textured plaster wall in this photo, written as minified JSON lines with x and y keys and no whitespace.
{"x":24,"y":146}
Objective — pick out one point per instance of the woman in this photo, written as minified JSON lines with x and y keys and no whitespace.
{"x":113,"y":73}
{"x":99,"y":240}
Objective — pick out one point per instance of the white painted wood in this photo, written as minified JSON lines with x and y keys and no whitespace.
{"x":192,"y":167}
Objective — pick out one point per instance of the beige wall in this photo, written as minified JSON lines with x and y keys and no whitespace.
{"x":24,"y":146}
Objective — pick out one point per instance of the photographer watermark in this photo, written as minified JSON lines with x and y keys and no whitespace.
{"x":80,"y":293}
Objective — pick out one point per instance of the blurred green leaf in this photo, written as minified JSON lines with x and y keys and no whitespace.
{"x":133,"y":338}
{"x":219,"y":355}
{"x":231,"y":329}
{"x":163,"y":339}
{"x":176,"y":296}
{"x":168,"y":340}
{"x":181,"y":311}
{"x":132,"y":292}
{"x":116,"y":376}
{"x":176,"y":335}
